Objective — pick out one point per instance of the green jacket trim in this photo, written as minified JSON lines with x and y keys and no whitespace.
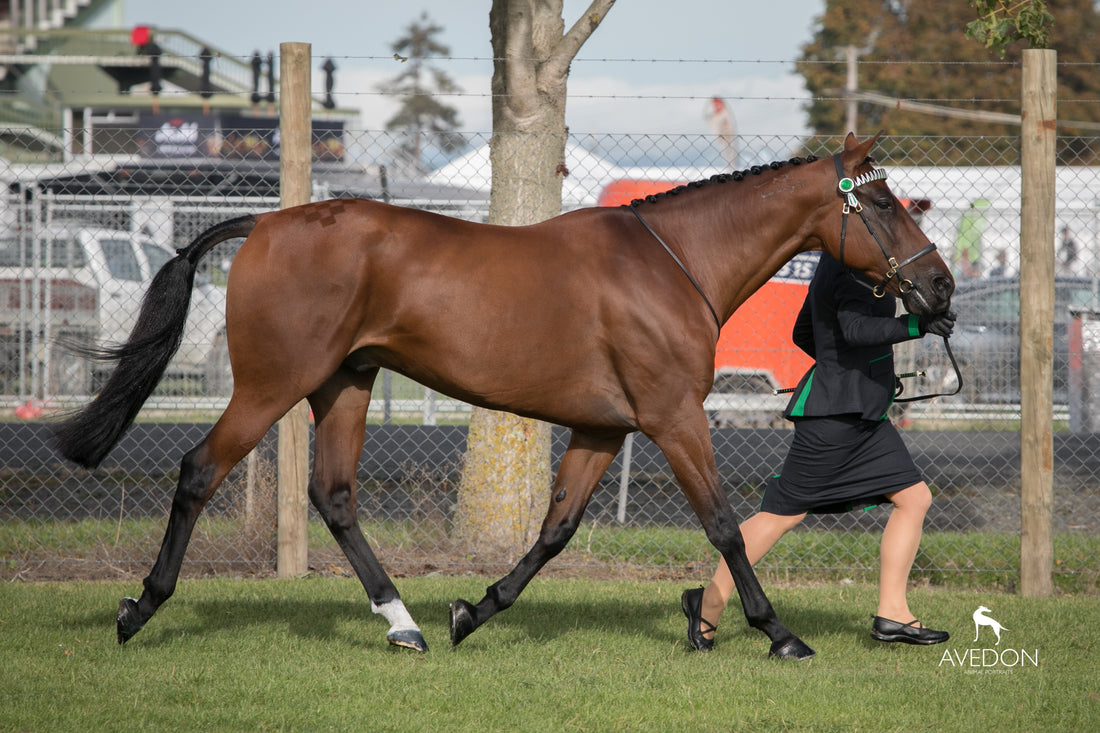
{"x":799,"y":408}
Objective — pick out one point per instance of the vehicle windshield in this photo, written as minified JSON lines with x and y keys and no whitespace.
{"x":157,"y":256}
{"x":1001,"y":308}
{"x":18,"y":251}
{"x":1067,"y":296}
{"x":122,"y":262}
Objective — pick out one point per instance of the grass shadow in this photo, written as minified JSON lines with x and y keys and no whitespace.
{"x":352,"y":622}
{"x":533,"y":619}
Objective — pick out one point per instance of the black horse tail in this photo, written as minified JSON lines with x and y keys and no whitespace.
{"x":87,"y":436}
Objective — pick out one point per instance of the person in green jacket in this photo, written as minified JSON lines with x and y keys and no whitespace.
{"x":968,"y":241}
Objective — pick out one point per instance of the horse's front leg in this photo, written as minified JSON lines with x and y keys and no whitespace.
{"x":690,"y":454}
{"x":584,"y":463}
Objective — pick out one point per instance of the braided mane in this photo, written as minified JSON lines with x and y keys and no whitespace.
{"x":723,"y":178}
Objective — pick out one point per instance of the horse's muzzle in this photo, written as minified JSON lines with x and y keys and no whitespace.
{"x":928,"y":296}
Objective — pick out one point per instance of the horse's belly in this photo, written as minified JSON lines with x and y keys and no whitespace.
{"x":523,"y":381}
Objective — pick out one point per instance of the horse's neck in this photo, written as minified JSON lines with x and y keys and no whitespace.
{"x":734,"y":237}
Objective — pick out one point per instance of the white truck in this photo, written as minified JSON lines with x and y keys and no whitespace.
{"x":78,"y":282}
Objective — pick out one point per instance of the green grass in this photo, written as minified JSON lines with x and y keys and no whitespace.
{"x":960,"y":560}
{"x":83,"y":537}
{"x":570,"y":655}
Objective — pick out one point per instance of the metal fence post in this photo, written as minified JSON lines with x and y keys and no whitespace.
{"x":624,"y":478}
{"x":294,"y":171}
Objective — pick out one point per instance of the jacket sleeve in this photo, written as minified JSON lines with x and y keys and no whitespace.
{"x":861,"y":326}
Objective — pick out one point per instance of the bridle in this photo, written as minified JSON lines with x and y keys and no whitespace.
{"x":847,"y":190}
{"x":846,"y":187}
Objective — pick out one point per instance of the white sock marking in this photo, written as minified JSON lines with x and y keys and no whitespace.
{"x":396,"y":613}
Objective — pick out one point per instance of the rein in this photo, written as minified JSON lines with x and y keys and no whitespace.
{"x":846,"y":188}
{"x":901,"y":388}
{"x":683,"y":268}
{"x":958,"y":378}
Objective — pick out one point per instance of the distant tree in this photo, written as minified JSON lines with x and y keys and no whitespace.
{"x":918,"y":50}
{"x":1001,"y":22}
{"x":422,"y":118}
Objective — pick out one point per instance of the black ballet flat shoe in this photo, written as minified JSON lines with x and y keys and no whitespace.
{"x":691,"y":602}
{"x":913,"y":632}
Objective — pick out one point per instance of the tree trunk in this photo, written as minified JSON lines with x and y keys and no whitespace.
{"x":506,"y":477}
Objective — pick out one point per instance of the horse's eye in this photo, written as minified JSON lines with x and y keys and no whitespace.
{"x":884,"y":204}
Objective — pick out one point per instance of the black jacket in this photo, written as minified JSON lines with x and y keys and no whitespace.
{"x":850,"y":335}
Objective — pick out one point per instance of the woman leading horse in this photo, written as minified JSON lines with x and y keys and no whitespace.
{"x":603,"y":320}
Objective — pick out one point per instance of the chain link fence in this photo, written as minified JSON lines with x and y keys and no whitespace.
{"x":79,"y":243}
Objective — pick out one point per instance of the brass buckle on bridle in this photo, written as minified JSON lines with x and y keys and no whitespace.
{"x":905,"y":285}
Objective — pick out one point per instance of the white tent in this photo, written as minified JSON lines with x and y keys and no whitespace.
{"x":953,"y":189}
{"x":588,"y":174}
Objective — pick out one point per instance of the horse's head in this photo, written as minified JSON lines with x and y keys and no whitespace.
{"x":876,"y":235}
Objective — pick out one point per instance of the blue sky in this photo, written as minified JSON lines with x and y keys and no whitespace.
{"x":687,"y":51}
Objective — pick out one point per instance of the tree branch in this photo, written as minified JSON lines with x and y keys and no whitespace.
{"x":566,"y":49}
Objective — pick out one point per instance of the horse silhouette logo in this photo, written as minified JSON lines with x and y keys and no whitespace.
{"x":981,"y":619}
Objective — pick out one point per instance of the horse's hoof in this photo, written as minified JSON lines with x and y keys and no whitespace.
{"x":462,"y":621}
{"x":128,"y":621}
{"x":408,"y":638}
{"x":792,"y":648}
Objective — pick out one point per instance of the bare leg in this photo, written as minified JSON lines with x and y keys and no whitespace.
{"x":761,"y":531}
{"x":900,"y":541}
{"x":690,"y":455}
{"x":582,"y":466}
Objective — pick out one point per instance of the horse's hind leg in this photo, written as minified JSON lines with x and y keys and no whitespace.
{"x":689,"y":452}
{"x":340,"y":408}
{"x":202,"y":469}
{"x":584,"y":463}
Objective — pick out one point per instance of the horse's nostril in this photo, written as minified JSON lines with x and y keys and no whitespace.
{"x":943,"y":286}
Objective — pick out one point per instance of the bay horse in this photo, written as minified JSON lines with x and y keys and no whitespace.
{"x":603,"y":320}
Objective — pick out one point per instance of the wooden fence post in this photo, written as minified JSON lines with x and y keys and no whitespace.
{"x":1037,"y":196}
{"x":295,"y":156}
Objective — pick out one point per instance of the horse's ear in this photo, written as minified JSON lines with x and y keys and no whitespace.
{"x":856,"y":152}
{"x":850,"y":142}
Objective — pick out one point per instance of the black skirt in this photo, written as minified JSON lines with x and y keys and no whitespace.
{"x":840,"y":463}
